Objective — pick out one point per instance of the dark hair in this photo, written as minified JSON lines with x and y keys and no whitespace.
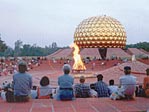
{"x":127,"y":70}
{"x":111,"y":82}
{"x":34,"y":87}
{"x":140,"y":86}
{"x":82,"y":79}
{"x":99,"y":77}
{"x":92,"y":86}
{"x":22,"y":68}
{"x":147,"y":71}
{"x":44,"y":81}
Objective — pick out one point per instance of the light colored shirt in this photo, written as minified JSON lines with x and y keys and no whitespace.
{"x":22,"y":84}
{"x":45,"y":90}
{"x":128,"y":84}
{"x":65,"y":81}
{"x":113,"y":88}
{"x":3,"y":95}
{"x":34,"y":94}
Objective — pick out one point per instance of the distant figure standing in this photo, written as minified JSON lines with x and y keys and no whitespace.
{"x":65,"y":83}
{"x":22,"y":83}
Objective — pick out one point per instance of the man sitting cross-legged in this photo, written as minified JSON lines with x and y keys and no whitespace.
{"x":127,"y":86}
{"x":101,"y":87}
{"x":83,"y":89}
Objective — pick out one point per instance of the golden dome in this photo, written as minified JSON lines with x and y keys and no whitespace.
{"x":100,"y":32}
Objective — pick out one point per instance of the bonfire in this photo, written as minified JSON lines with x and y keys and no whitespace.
{"x":78,"y":64}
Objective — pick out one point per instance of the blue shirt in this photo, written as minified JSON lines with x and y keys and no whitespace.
{"x":82,"y":90}
{"x":65,"y":81}
{"x":22,"y":84}
{"x":102,"y":89}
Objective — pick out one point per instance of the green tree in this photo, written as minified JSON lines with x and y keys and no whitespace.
{"x":26,"y":50}
{"x":9,"y":52}
{"x":3,"y":46}
{"x":140,"y":45}
{"x":17,"y":49}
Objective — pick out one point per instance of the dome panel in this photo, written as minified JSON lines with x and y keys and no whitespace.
{"x":100,"y":31}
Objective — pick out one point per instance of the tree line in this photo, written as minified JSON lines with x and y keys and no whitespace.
{"x":21,"y":49}
{"x":140,"y":45}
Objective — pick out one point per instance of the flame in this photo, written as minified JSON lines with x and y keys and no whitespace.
{"x":78,"y":64}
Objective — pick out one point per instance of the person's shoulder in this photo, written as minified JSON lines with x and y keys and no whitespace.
{"x":132,"y":76}
{"x":76,"y":85}
{"x":95,"y":83}
{"x":16,"y":74}
{"x":86,"y":85}
{"x":49,"y":86}
{"x":104,"y":83}
{"x":28,"y":75}
{"x":60,"y":76}
{"x":71,"y":76}
{"x":122,"y":77}
{"x":112,"y":86}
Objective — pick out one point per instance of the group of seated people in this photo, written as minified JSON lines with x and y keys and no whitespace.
{"x":22,"y":91}
{"x":9,"y":66}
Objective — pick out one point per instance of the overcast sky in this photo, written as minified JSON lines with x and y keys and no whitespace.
{"x":42,"y":22}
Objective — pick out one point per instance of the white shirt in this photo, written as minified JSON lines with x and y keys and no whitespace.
{"x":34,"y":94}
{"x":3,"y":95}
{"x":113,"y":88}
{"x":45,"y":90}
{"x":128,"y":84}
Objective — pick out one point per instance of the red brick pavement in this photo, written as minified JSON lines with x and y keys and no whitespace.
{"x":78,"y":105}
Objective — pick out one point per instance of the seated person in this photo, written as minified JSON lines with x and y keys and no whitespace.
{"x":101,"y":87}
{"x":7,"y":93}
{"x":65,"y":83}
{"x":83,"y":90}
{"x":34,"y":92}
{"x":22,"y":83}
{"x":140,"y":92}
{"x":127,"y":84}
{"x":113,"y":88}
{"x":146,"y":83}
{"x":45,"y":90}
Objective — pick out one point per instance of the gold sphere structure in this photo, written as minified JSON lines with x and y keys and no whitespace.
{"x":100,"y":32}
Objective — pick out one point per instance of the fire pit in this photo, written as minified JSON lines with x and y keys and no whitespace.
{"x":78,"y":64}
{"x":77,"y":71}
{"x":79,"y":68}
